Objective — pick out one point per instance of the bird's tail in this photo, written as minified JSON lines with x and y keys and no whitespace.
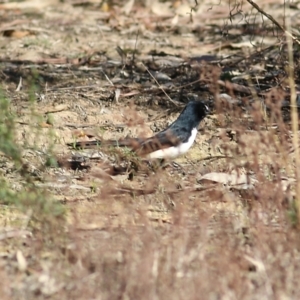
{"x":85,"y":144}
{"x":132,"y":143}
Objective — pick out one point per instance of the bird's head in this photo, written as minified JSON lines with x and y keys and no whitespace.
{"x":198,"y":109}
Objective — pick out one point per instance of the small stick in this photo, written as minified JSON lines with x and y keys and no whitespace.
{"x":171,"y":100}
{"x":274,"y":21}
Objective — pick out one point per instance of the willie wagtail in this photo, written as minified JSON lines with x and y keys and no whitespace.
{"x":175,"y":140}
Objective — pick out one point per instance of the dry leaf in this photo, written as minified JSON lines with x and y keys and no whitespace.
{"x":161,"y":9}
{"x":45,"y":125}
{"x":28,"y":4}
{"x":117,"y":95}
{"x":22,"y":263}
{"x":16,"y":33}
{"x":233,"y":179}
{"x":128,"y":7}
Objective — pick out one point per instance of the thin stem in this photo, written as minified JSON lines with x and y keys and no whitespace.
{"x":294,"y":111}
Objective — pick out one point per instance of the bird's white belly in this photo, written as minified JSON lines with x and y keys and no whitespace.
{"x":173,"y":152}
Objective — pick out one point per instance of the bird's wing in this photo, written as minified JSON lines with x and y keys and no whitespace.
{"x":162,"y":140}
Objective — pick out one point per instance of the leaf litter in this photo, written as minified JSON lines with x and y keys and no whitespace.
{"x":89,"y":62}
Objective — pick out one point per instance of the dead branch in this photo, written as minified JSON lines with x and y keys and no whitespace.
{"x":274,"y":21}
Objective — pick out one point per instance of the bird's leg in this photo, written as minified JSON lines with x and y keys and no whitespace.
{"x":133,"y":169}
{"x":155,"y":165}
{"x":175,"y":166}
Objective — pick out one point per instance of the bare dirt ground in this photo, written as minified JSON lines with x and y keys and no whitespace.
{"x":218,"y":223}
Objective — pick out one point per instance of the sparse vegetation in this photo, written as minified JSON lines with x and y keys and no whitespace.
{"x":220,"y":222}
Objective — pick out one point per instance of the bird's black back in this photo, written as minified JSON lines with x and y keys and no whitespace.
{"x":190,"y":117}
{"x":180,"y":130}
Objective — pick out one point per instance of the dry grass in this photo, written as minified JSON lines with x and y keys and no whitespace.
{"x":219,"y":223}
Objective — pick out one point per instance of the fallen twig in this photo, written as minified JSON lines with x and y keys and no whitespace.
{"x":236,"y":87}
{"x":14,"y":233}
{"x":171,"y":100}
{"x":274,"y":21}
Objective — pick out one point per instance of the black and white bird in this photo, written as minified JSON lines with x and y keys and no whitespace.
{"x":173,"y":141}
